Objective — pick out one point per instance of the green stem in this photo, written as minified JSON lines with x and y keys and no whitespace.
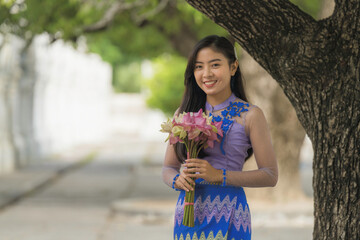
{"x":186,"y":145}
{"x":201,"y":145}
{"x":191,"y":149}
{"x":188,"y":218}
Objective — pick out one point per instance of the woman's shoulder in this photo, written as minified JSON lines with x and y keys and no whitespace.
{"x":252,"y":114}
{"x":254,"y":117}
{"x":248,"y":106}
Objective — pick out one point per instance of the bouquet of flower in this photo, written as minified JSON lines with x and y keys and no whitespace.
{"x":197,"y":131}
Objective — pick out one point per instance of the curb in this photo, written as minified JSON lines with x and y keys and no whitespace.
{"x":31,"y":179}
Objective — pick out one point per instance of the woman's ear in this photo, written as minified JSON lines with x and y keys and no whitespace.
{"x":234,"y":67}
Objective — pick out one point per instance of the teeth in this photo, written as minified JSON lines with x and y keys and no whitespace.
{"x":210,"y":82}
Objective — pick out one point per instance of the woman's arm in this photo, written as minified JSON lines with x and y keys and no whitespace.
{"x":267,"y":173}
{"x":171,"y":168}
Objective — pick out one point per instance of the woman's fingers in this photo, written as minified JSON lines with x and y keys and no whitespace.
{"x":189,"y":180}
{"x":194,"y":160}
{"x":191,"y":170}
{"x":192,"y":165}
{"x":194,"y":173}
{"x":185,"y":182}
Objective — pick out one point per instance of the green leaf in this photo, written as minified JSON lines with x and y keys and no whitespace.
{"x":166,"y":87}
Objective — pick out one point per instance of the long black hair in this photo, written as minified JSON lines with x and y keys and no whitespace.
{"x":194,"y":97}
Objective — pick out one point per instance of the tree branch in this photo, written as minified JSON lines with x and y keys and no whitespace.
{"x":346,"y":19}
{"x":161,"y":6}
{"x":259,"y":26}
{"x":110,"y":14}
{"x":288,"y":43}
{"x":182,"y":40}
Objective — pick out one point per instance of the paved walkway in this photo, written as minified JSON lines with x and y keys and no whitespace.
{"x":114,"y":191}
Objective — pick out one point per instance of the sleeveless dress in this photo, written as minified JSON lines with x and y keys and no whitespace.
{"x":220,"y":212}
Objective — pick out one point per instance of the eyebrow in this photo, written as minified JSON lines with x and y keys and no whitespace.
{"x":213,"y":60}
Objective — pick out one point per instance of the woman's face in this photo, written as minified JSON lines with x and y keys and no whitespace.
{"x":213,"y":73}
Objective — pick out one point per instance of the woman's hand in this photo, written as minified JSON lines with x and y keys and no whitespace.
{"x":184,"y":182}
{"x":198,"y":168}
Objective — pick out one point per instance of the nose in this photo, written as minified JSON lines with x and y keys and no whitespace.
{"x":207,"y":72}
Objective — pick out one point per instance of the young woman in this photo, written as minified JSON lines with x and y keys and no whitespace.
{"x":213,"y":82}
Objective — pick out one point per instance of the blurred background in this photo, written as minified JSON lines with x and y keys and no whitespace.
{"x":84,"y":87}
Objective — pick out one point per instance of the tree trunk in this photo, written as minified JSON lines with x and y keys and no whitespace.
{"x":10,"y":157}
{"x":8,"y":85}
{"x":27,"y":146}
{"x":182,"y":40}
{"x":317,"y":65}
{"x":286,"y":131}
{"x":336,"y":170}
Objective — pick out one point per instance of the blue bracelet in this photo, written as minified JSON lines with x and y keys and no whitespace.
{"x":173,"y":183}
{"x":224,"y":177}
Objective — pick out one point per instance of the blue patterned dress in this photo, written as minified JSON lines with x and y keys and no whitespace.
{"x":221,"y":212}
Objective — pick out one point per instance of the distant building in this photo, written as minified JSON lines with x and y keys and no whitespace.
{"x":52,"y":98}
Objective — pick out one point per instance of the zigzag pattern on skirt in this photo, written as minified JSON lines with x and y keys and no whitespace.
{"x":219,"y":236}
{"x":217,"y":209}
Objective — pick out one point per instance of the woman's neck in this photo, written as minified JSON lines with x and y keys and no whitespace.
{"x":216,"y":100}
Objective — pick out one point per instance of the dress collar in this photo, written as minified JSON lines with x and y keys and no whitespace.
{"x":222,"y":105}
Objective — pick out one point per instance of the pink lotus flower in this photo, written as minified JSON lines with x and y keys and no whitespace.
{"x":191,"y":126}
{"x":194,"y":133}
{"x":197,"y":131}
{"x":173,"y":139}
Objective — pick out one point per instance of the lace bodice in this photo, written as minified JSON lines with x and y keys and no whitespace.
{"x":231,"y":151}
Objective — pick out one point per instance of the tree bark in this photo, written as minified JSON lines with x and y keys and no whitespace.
{"x":317,"y":65}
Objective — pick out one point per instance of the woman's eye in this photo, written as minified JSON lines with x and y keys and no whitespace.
{"x":216,"y":65}
{"x":198,"y":67}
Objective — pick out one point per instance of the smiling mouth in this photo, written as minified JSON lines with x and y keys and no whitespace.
{"x":210,"y":83}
